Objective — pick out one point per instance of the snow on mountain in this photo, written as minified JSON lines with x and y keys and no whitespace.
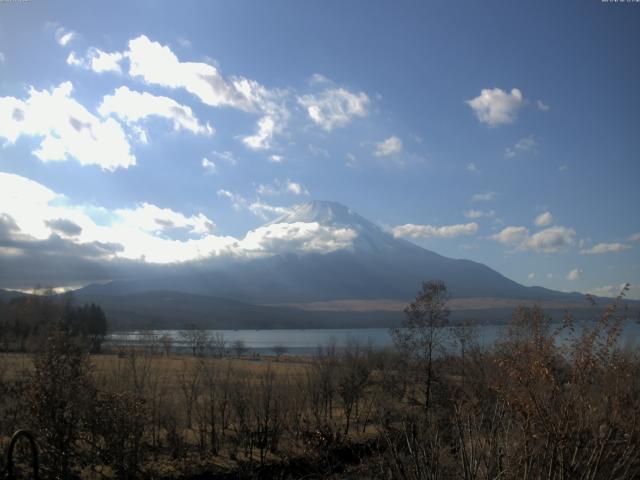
{"x":369,"y":236}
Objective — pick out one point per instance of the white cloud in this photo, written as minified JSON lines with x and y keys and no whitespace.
{"x":73,"y":60}
{"x":318,"y":151}
{"x":574,"y":274}
{"x":225,"y":156}
{"x":105,"y":62}
{"x":151,"y":218}
{"x":258,"y":208}
{"x":390,"y":146}
{"x":64,"y":37}
{"x":563,"y":168}
{"x":68,"y":129}
{"x":523,"y":145}
{"x":602,"y":248}
{"x":144,"y":231}
{"x":184,"y":42}
{"x":352,"y":160}
{"x":296,"y":188}
{"x":615,"y":290}
{"x":634,"y":238}
{"x":209,"y":166}
{"x":550,"y":240}
{"x":428,"y":231}
{"x":471,"y":167}
{"x":531,"y":275}
{"x":318,"y":78}
{"x":97,"y":61}
{"x":495,"y":106}
{"x":335,"y":107}
{"x":276,"y":158}
{"x":238,"y":202}
{"x":474,"y":214}
{"x":484,"y":197}
{"x":544,"y":219}
{"x":279,"y":188}
{"x":157,"y":64}
{"x":542,"y":106}
{"x":263,"y":138}
{"x":148,"y":232}
{"x":304,"y":237}
{"x":266,"y":211}
{"x":132,"y":107}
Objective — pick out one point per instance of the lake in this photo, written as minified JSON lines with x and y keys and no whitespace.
{"x":306,"y":342}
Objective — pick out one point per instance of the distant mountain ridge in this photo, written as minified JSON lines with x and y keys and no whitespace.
{"x":376,"y":265}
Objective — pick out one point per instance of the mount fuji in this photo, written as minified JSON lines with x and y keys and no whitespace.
{"x":359,"y":269}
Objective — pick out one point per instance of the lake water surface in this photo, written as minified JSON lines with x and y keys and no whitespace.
{"x":306,"y":342}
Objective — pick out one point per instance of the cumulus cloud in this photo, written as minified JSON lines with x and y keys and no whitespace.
{"x":602,"y":248}
{"x":428,"y":231}
{"x":484,"y":197}
{"x":64,"y":36}
{"x":64,"y":226}
{"x":550,"y":240}
{"x":299,"y":236}
{"x":151,"y":218}
{"x":105,"y":62}
{"x":494,"y":106}
{"x":266,"y":129}
{"x":97,"y":60}
{"x":144,"y":230}
{"x":335,"y":107}
{"x":38,"y":224}
{"x":574,"y":274}
{"x":209,"y":166}
{"x":276,"y":158}
{"x":156,"y":64}
{"x":132,"y":107}
{"x":389,"y":147}
{"x":523,"y":145}
{"x":68,"y":130}
{"x":544,"y":219}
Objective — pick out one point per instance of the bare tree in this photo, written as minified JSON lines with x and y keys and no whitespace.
{"x":218,"y":345}
{"x":279,"y":350}
{"x":167,"y":344}
{"x":197,"y":340}
{"x":239,"y":347}
{"x":419,"y":334}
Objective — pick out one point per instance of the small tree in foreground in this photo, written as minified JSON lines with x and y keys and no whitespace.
{"x":419,"y":332}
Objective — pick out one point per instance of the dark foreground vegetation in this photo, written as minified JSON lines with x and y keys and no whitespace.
{"x":530,"y":407}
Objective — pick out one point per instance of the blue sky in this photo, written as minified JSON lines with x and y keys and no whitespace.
{"x":502,"y":132}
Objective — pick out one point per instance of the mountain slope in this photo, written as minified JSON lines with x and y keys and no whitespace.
{"x":376,"y":265}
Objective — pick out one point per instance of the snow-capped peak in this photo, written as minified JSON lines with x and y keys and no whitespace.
{"x":370,"y":237}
